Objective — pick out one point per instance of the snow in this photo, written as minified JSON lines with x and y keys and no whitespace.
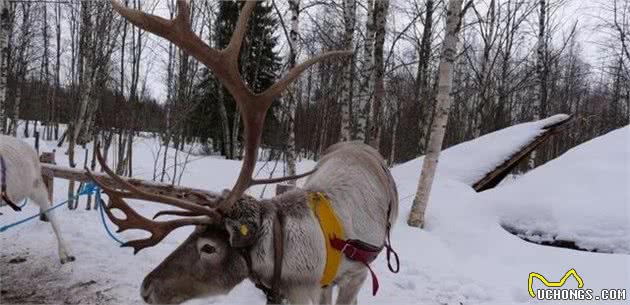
{"x":581,"y":197}
{"x":470,"y":161}
{"x":463,"y":256}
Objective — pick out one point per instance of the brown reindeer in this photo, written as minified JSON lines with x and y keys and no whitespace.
{"x":282,"y":244}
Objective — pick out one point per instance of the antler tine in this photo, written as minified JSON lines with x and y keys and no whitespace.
{"x":175,"y":213}
{"x":177,"y":31}
{"x":140,"y":194}
{"x":158,"y":229}
{"x":276,"y":89}
{"x":281,"y":179}
{"x":151,"y":23}
{"x":234,"y":47}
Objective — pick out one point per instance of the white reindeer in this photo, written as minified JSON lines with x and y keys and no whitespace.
{"x":22,"y":176}
{"x":296,"y":246}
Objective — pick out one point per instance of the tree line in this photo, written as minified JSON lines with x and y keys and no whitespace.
{"x":78,"y":64}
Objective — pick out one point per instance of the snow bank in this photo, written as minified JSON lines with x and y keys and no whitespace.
{"x":583,"y":196}
{"x":470,"y":161}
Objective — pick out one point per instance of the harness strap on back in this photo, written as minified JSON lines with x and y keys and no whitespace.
{"x":3,"y":186}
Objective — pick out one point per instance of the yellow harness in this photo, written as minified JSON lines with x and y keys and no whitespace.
{"x":337,"y":245}
{"x":331,"y":227}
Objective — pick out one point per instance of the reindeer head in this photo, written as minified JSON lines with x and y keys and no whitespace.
{"x":203,"y":265}
{"x":209,"y":261}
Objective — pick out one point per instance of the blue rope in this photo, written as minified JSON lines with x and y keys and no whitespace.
{"x":86,"y":189}
{"x":102,"y":208}
{"x":4,"y":228}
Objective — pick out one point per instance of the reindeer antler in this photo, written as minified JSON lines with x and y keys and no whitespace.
{"x":224,"y":63}
{"x":198,"y":214}
{"x":253,"y":108}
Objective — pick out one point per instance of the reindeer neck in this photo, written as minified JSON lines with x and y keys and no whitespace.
{"x":290,"y":207}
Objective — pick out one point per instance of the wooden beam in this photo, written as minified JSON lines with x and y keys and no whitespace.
{"x":192,"y":194}
{"x":494,"y":177}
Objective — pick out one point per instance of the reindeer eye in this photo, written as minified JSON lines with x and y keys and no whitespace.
{"x":208,"y":249}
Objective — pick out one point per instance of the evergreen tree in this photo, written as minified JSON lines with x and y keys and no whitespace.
{"x":259,"y":65}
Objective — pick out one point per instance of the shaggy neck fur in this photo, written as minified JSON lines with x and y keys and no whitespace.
{"x":301,"y":232}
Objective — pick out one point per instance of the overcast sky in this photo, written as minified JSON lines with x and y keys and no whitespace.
{"x":585,"y":13}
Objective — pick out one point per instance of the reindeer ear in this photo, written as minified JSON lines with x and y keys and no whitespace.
{"x":242,"y":234}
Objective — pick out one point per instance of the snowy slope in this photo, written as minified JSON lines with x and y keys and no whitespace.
{"x":462,"y":257}
{"x":583,"y":196}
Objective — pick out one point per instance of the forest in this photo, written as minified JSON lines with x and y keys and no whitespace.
{"x":296,"y":151}
{"x":75,"y":63}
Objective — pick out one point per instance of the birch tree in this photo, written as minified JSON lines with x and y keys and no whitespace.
{"x":5,"y":28}
{"x":438,"y":128}
{"x":366,"y":86}
{"x":422,"y":75}
{"x":294,"y":8}
{"x":380,"y":15}
{"x":23,"y":56}
{"x":541,"y":73}
{"x":349,"y":17}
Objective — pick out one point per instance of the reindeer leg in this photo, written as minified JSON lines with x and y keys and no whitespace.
{"x":326,"y":297}
{"x":40,"y":196}
{"x":349,"y":289}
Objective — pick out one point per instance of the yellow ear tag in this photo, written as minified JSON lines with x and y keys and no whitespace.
{"x":244,"y":230}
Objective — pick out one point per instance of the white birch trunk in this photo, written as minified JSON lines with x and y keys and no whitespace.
{"x":541,"y":89}
{"x":375,"y":131}
{"x":366,"y":87}
{"x":294,"y":7}
{"x":349,"y":11}
{"x":423,"y":96}
{"x":16,"y":107}
{"x":5,"y":27}
{"x":438,"y":128}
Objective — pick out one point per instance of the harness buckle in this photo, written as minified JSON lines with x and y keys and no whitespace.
{"x":345,"y":246}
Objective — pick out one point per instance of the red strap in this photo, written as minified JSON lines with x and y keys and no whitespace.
{"x":374,"y":280}
{"x":357,"y":254}
{"x":361,"y":252}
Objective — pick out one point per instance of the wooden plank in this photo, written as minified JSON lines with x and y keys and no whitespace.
{"x":192,"y":194}
{"x":494,"y":177}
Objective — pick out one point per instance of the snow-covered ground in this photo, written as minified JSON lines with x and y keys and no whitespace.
{"x":463,"y":256}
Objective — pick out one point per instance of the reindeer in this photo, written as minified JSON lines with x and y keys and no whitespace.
{"x":284,"y":244}
{"x":20,"y":178}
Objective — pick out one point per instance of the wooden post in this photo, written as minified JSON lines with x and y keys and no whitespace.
{"x":36,"y":135}
{"x":48,"y":158}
